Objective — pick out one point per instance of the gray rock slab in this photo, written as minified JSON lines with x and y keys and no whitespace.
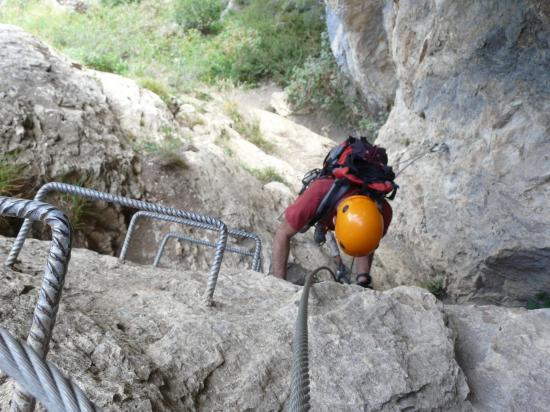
{"x":505,"y":354}
{"x":473,"y":79}
{"x":135,"y":338}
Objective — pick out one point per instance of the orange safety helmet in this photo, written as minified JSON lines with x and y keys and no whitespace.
{"x":359,"y":225}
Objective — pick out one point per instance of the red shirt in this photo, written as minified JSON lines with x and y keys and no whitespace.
{"x":299,"y":213}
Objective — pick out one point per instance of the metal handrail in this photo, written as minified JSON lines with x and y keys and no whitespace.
{"x":53,"y":279}
{"x":256,"y":262}
{"x":136,"y":204}
{"x":180,"y":236}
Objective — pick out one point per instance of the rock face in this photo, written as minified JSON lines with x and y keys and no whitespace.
{"x":135,"y":338}
{"x":505,"y":355}
{"x":56,"y":120}
{"x":473,"y":79}
{"x":360,"y":45}
{"x":103,"y":131}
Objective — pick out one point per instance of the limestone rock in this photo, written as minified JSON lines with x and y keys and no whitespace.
{"x":214,"y":184}
{"x":474,"y":81}
{"x":55,"y":120}
{"x":137,"y":338}
{"x":360,"y":44}
{"x":141,"y":113}
{"x":505,"y":354}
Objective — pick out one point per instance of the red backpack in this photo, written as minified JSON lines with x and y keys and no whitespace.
{"x":355,"y":163}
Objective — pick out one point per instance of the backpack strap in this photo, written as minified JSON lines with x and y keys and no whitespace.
{"x":338,"y":189}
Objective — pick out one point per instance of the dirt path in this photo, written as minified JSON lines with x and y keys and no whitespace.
{"x":261,"y":97}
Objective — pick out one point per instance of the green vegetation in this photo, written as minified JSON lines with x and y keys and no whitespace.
{"x":223,"y":141}
{"x":173,"y":46}
{"x":11,"y":180}
{"x":320,"y":85}
{"x":435,"y":287}
{"x":105,"y":62}
{"x":156,"y":87}
{"x":249,"y":130}
{"x":266,"y":175}
{"x":202,"y":15}
{"x":541,"y":301}
{"x":79,"y":209}
{"x":167,"y":151}
{"x":175,"y":41}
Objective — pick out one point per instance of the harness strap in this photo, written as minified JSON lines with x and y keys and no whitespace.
{"x":338,"y":189}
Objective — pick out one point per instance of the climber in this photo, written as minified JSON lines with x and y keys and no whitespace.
{"x":348,"y":196}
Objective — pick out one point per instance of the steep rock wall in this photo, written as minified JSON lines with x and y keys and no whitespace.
{"x":360,"y":45}
{"x":56,"y":121}
{"x":472,"y":77}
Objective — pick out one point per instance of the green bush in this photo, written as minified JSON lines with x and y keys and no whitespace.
{"x":202,"y":15}
{"x":320,"y":85}
{"x":266,"y":175}
{"x":106,"y":63}
{"x":114,"y":3}
{"x":263,"y":40}
{"x":156,"y":87}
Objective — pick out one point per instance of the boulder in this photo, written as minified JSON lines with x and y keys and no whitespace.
{"x":474,"y":87}
{"x":141,"y":114}
{"x":138,"y":338}
{"x":505,"y":355}
{"x":56,"y":121}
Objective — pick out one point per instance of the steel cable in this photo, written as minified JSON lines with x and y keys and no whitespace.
{"x":40,"y":378}
{"x":180,"y":236}
{"x":136,"y":204}
{"x":53,"y":279}
{"x":256,"y":262}
{"x":299,"y":385}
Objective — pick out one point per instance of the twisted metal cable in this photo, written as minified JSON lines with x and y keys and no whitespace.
{"x":180,"y":236}
{"x":53,"y":279}
{"x":136,"y":204}
{"x":256,"y":262}
{"x":40,"y":378}
{"x":299,"y":385}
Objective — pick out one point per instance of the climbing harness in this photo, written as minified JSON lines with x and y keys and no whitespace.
{"x":136,"y":204}
{"x":299,"y":385}
{"x":256,"y":262}
{"x":40,"y":378}
{"x":45,"y":311}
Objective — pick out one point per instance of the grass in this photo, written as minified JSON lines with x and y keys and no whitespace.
{"x":167,"y":151}
{"x":11,"y":181}
{"x":249,"y":130}
{"x":142,"y":40}
{"x":435,"y":287}
{"x":266,"y":175}
{"x":156,"y":87}
{"x":223,"y":140}
{"x":79,"y":209}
